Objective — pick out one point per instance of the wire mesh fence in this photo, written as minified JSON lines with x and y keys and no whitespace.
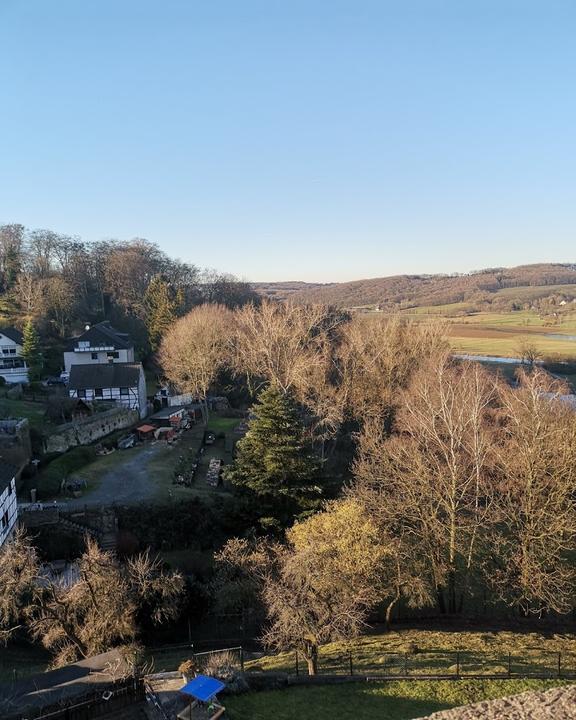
{"x":441,"y":664}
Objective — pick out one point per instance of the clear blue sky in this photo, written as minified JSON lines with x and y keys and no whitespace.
{"x":296,"y":139}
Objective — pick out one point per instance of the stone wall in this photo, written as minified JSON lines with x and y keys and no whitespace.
{"x":91,"y":429}
{"x":15,"y":445}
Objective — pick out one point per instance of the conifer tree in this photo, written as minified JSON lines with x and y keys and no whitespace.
{"x":31,"y":351}
{"x":160,"y":310}
{"x":274,"y":462}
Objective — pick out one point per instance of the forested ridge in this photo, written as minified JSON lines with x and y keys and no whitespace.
{"x":60,"y":282}
{"x":483,"y":288}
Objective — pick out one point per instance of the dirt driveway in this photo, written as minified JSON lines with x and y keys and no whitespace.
{"x":128,"y":482}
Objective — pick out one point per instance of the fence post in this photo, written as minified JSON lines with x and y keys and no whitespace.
{"x":297,"y":670}
{"x":457,"y":664}
{"x":559,"y":664}
{"x":350,"y":660}
{"x":509,"y":664}
{"x":242,"y":659}
{"x":405,"y":663}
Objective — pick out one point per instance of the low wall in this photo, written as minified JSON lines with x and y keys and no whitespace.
{"x":15,"y":445}
{"x":88,"y":430}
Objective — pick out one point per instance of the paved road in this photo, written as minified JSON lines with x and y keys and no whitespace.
{"x":128,"y":483}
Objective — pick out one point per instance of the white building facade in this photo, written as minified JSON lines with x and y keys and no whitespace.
{"x":8,"y":503}
{"x":122,"y":383}
{"x":13,"y":367}
{"x":99,"y":344}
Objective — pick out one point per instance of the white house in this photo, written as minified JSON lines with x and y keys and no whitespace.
{"x":99,"y":344}
{"x":123,"y":383}
{"x":168,"y":396}
{"x":8,"y":504}
{"x":13,"y":368}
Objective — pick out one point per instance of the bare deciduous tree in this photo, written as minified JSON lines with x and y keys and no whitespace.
{"x":378,"y":357}
{"x":86,"y":614}
{"x":534,"y":539}
{"x":29,"y":292}
{"x":433,"y":478}
{"x":281,"y":343}
{"x":527,"y":351}
{"x":195,"y":349}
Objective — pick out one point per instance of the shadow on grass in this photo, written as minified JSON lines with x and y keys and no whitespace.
{"x":345,"y":702}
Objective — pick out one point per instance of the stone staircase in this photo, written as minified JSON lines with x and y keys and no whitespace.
{"x":105,"y":540}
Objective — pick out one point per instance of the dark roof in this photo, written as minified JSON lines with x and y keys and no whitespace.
{"x":167,"y":412}
{"x":13,"y":334}
{"x":103,"y":334}
{"x":7,"y":474}
{"x":48,"y":689}
{"x":109,"y":375}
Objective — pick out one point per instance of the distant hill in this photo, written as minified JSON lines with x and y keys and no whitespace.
{"x":283,"y":290}
{"x":515,"y":288}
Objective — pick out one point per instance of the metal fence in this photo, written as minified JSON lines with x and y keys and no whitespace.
{"x":122,"y":696}
{"x":442,"y":664}
{"x":167,"y":658}
{"x":423,"y":664}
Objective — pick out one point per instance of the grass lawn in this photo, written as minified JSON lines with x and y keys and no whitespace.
{"x":397,"y":700}
{"x":34,"y":411}
{"x":219,"y":424}
{"x":18,"y":661}
{"x":92,"y":472}
{"x":163,"y":464}
{"x":384,"y":654}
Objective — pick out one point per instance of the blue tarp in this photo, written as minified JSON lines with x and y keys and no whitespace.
{"x":203,"y":688}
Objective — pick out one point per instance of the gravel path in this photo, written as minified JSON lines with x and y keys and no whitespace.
{"x":126,"y":484}
{"x":556,"y":704}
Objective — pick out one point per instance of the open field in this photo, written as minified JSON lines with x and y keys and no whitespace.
{"x":396,"y":700}
{"x":500,"y":333}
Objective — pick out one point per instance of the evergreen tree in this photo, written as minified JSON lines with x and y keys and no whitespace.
{"x":160,"y":310}
{"x":31,"y":351}
{"x":274,"y":463}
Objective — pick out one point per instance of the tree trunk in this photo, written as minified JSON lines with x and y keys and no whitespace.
{"x":311,"y":655}
{"x":452,"y":592}
{"x":204,"y":406}
{"x":389,"y":609}
{"x":441,"y":601}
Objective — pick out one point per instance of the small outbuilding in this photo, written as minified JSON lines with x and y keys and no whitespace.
{"x":145,"y":432}
{"x":175,"y":417}
{"x":204,"y":691}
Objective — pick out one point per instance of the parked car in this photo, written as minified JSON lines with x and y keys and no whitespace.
{"x":51,"y":381}
{"x":127,"y":442}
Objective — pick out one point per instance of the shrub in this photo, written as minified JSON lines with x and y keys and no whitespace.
{"x":188,"y":668}
{"x":224,"y":667}
{"x":51,"y":477}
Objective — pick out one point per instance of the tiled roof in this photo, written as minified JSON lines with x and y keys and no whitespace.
{"x":109,"y":375}
{"x":12,"y":334}
{"x":7,"y":474}
{"x":102,"y":334}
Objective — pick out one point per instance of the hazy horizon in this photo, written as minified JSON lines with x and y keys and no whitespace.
{"x":322,"y":142}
